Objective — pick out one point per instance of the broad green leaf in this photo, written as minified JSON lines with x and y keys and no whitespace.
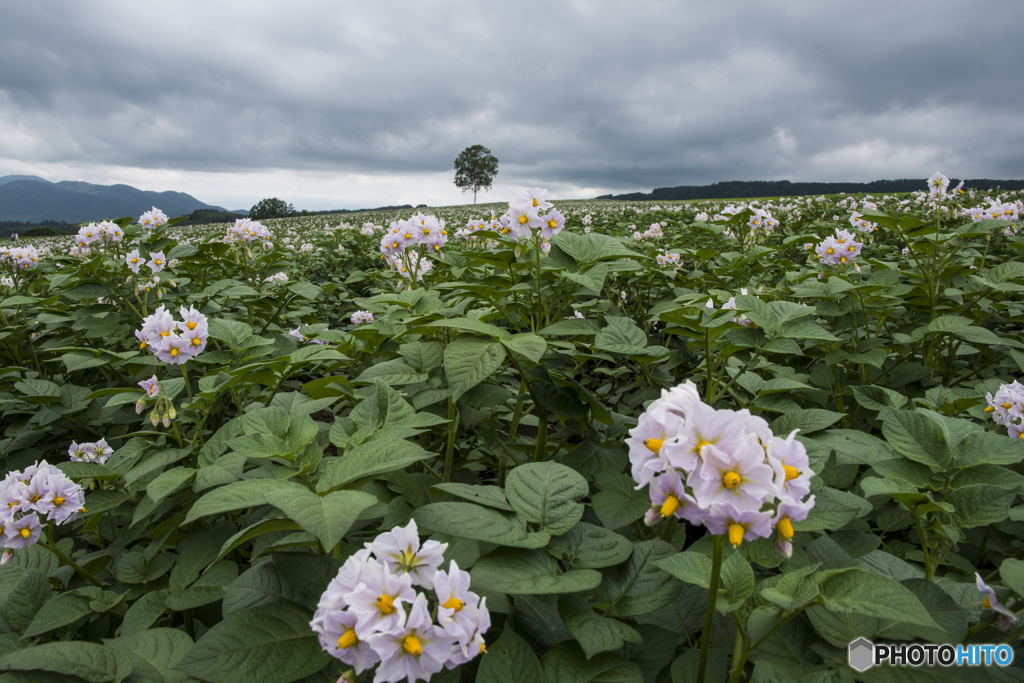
{"x":591,"y":247}
{"x":855,"y":591}
{"x":471,"y":325}
{"x":154,"y":653}
{"x":169,"y":482}
{"x":595,"y":633}
{"x":588,"y":546}
{"x":469,"y":361}
{"x":737,"y":582}
{"x":528,"y":345}
{"x":640,"y":585}
{"x":833,"y":509}
{"x":1012,"y":572}
{"x":919,"y":435}
{"x":61,"y":610}
{"x":486,"y":495}
{"x":466,"y":520}
{"x":688,"y":566}
{"x":326,"y":517}
{"x":87,"y":661}
{"x":621,"y":335}
{"x":239,"y":495}
{"x":377,"y":456}
{"x":546,"y":493}
{"x":22,"y":594}
{"x":529,"y":572}
{"x":981,"y":504}
{"x":566,"y":663}
{"x":806,"y":420}
{"x":508,"y":659}
{"x":268,"y":643}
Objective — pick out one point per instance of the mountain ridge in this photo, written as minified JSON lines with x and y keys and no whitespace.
{"x":30,"y":198}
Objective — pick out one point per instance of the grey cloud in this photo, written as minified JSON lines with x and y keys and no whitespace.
{"x":626,"y":96}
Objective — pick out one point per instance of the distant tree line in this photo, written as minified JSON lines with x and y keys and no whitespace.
{"x":782,"y":188}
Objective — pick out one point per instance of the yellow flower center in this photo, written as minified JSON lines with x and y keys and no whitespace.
{"x":791,"y":472}
{"x":523,"y":219}
{"x":553,"y":223}
{"x":412,"y":645}
{"x":989,"y":409}
{"x":535,"y":202}
{"x":1007,"y":405}
{"x":25,"y":533}
{"x":347,"y":639}
{"x":785,"y":528}
{"x":483,"y":648}
{"x":196,"y":341}
{"x":731,"y":479}
{"x":654,"y":445}
{"x":831,"y":250}
{"x":34,"y":498}
{"x":736,"y":531}
{"x":453,"y":603}
{"x":174,"y":352}
{"x":669,"y":507}
{"x":58,"y":501}
{"x":851,"y":248}
{"x":386,"y":604}
{"x":842,"y":259}
{"x":191,"y":324}
{"x":986,"y":603}
{"x":700,"y":445}
{"x":158,"y":261}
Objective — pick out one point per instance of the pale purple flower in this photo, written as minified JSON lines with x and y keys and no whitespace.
{"x":361,"y":317}
{"x":22,"y":532}
{"x":552,"y":223}
{"x":739,"y":476}
{"x":151,"y":386}
{"x":416,"y":649}
{"x":380,"y":597}
{"x":400,"y":548}
{"x":153,"y":218}
{"x":157,"y":261}
{"x":740,"y":525}
{"x":989,"y":600}
{"x":133,"y":260}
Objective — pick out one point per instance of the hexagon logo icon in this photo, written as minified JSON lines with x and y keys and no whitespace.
{"x":861,"y":654}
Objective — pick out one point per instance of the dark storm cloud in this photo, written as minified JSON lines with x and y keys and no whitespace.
{"x":586,"y":94}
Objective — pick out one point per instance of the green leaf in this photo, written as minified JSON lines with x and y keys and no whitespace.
{"x":588,"y":546}
{"x":988,"y":448}
{"x":22,"y":594}
{"x":471,"y":325}
{"x":61,"y":610}
{"x":566,"y":663}
{"x":239,"y":495}
{"x":806,"y":420}
{"x":530,"y":346}
{"x":546,"y":493}
{"x":394,"y":372}
{"x":377,"y":456}
{"x":488,"y":496}
{"x":833,"y":509}
{"x":268,"y":643}
{"x":876,"y":398}
{"x":326,"y":517}
{"x":981,"y":504}
{"x":919,"y":435}
{"x":529,"y":572}
{"x":154,"y":653}
{"x":619,"y":504}
{"x":688,"y":566}
{"x":469,"y":361}
{"x":640,"y":585}
{"x":591,"y":247}
{"x":737,"y":582}
{"x":168,"y":482}
{"x":88,"y":661}
{"x":856,"y":591}
{"x":508,"y":659}
{"x":794,"y":589}
{"x":595,"y":633}
{"x":466,"y":520}
{"x":621,"y":335}
{"x":1012,"y":572}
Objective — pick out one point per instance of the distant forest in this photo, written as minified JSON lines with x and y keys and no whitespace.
{"x":784,"y":188}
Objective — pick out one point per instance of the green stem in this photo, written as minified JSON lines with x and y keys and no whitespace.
{"x":709,"y":614}
{"x":739,"y":651}
{"x":929,"y":569}
{"x":188,"y":384}
{"x":449,"y":451}
{"x":51,"y":545}
{"x":542,"y":434}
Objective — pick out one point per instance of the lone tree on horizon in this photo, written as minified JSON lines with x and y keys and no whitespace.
{"x":475,"y":168}
{"x":271,"y":207}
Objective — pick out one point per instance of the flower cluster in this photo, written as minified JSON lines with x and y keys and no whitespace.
{"x":494,"y":224}
{"x":38,"y":491}
{"x":104,"y":232}
{"x":858,"y":221}
{"x":155,"y":261}
{"x":245,"y":231}
{"x":276,"y":278}
{"x":98,"y":452}
{"x":762,"y":219}
{"x":174,"y":341}
{"x":523,"y":218}
{"x":360,"y":317}
{"x":670,"y":260}
{"x":654,"y":232}
{"x":153,"y":218}
{"x":23,"y":258}
{"x":303,"y":338}
{"x":838,"y":248}
{"x":428,"y":231}
{"x":372,"y":612}
{"x":730,"y":305}
{"x":723,"y":469}
{"x":1007,"y":408}
{"x":996,"y":210}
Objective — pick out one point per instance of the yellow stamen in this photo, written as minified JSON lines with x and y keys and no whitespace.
{"x":386,"y":604}
{"x":174,"y":352}
{"x":736,"y":532}
{"x":986,"y":603}
{"x":1007,"y":405}
{"x":196,"y":341}
{"x":34,"y":498}
{"x":791,"y":472}
{"x":483,"y":648}
{"x":25,"y":533}
{"x":453,"y":603}
{"x":58,"y":501}
{"x":523,"y":219}
{"x":831,"y":251}
{"x":731,"y":479}
{"x":347,"y":639}
{"x":989,"y":409}
{"x":785,"y":528}
{"x":553,"y":223}
{"x":669,"y":507}
{"x":412,"y":645}
{"x":535,"y":202}
{"x":842,"y":259}
{"x":191,"y":324}
{"x":700,"y":445}
{"x":654,"y":445}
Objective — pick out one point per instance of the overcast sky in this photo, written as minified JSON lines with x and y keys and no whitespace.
{"x":331,"y":104}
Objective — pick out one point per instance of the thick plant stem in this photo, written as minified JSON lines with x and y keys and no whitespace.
{"x":739,"y":652}
{"x":929,"y":568}
{"x":709,"y":614}
{"x":51,"y":545}
{"x":449,"y":451}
